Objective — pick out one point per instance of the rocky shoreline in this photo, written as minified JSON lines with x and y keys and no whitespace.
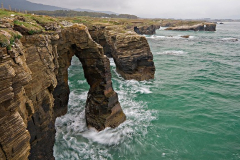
{"x":35,"y":53}
{"x":197,"y":27}
{"x":34,"y":87}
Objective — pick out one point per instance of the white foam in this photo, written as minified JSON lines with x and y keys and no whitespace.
{"x":82,"y":81}
{"x":72,"y":127}
{"x":230,"y":39}
{"x":137,"y":87}
{"x":163,"y":28}
{"x":112,"y":63}
{"x":191,"y":37}
{"x":75,"y":98}
{"x":172,"y":52}
{"x":168,"y":37}
{"x":75,"y":141}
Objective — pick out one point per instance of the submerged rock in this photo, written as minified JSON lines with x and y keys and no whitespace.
{"x":186,"y":36}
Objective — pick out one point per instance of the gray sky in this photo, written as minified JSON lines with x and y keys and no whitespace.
{"x":157,"y":8}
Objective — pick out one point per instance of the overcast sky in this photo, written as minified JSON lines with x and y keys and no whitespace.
{"x":157,"y":8}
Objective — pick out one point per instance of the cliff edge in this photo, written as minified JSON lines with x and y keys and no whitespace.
{"x":35,"y":53}
{"x":34,"y":87}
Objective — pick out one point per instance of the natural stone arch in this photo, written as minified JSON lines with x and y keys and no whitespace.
{"x":102,"y":106}
{"x":35,"y":91}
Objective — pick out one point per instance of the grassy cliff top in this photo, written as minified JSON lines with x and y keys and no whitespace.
{"x":29,"y":23}
{"x":38,"y":22}
{"x":11,"y":23}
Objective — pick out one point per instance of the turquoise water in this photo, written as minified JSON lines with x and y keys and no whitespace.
{"x":190,"y":111}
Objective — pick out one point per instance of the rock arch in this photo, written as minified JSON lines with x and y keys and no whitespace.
{"x":34,"y":90}
{"x":102,"y":106}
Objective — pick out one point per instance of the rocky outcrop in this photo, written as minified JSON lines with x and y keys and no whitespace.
{"x":97,"y":33}
{"x":34,"y":89}
{"x":102,"y":108}
{"x":147,"y":30}
{"x":210,"y":27}
{"x":131,"y":53}
{"x":198,"y":27}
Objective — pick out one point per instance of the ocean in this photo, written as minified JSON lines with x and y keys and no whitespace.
{"x":190,"y":111}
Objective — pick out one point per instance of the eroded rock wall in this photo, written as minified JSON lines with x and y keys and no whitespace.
{"x":130,"y":51}
{"x":34,"y":87}
{"x":97,"y":33}
{"x":27,"y":81}
{"x":102,"y":107}
{"x":210,"y":27}
{"x":147,"y":30}
{"x":34,"y":90}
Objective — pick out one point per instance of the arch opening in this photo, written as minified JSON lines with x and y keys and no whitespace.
{"x":102,"y":106}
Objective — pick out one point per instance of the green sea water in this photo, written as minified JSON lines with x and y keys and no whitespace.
{"x":190,"y":111}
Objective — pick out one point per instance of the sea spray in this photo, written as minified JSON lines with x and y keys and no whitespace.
{"x":189,"y":111}
{"x":75,"y":141}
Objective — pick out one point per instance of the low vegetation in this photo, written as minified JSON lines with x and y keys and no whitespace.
{"x":70,"y":13}
{"x":33,"y":24}
{"x":8,"y":37}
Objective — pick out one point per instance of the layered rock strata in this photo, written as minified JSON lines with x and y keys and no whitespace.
{"x":130,"y":51}
{"x":131,"y":54}
{"x":34,"y":90}
{"x":198,"y":27}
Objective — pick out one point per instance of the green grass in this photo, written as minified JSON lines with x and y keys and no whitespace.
{"x":32,"y":27}
{"x":4,"y":13}
{"x":8,"y":37}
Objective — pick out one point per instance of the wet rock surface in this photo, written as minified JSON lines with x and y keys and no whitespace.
{"x":131,"y":53}
{"x":34,"y":90}
{"x":34,"y":58}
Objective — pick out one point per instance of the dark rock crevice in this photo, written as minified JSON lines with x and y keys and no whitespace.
{"x":2,"y":152}
{"x":36,"y":90}
{"x":34,"y":87}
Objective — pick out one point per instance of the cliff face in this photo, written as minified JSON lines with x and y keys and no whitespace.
{"x":130,"y":51}
{"x":210,"y":27}
{"x":132,"y":54}
{"x":102,"y":107}
{"x":15,"y":106}
{"x":34,"y":90}
{"x":34,"y":87}
{"x":148,"y":30}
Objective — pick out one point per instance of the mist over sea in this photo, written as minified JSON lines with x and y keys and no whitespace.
{"x":191,"y":110}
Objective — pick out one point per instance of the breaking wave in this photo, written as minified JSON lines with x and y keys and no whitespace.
{"x":168,"y":37}
{"x":172,"y":53}
{"x":75,"y":141}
